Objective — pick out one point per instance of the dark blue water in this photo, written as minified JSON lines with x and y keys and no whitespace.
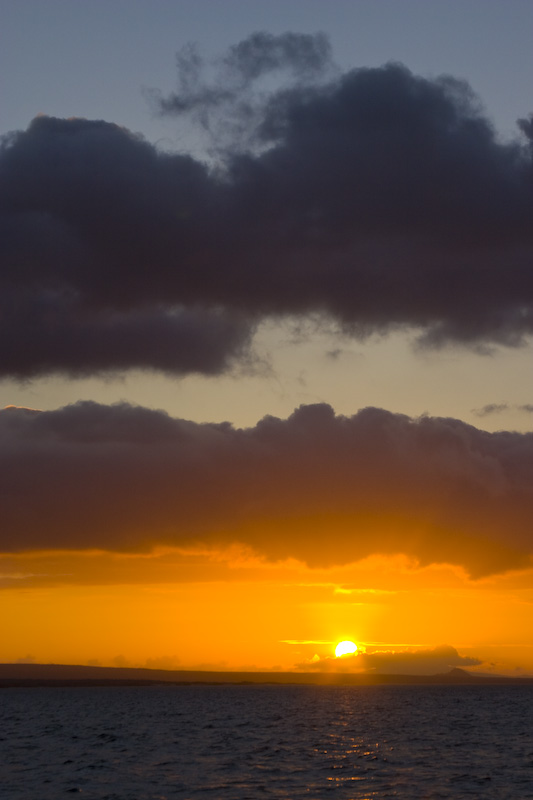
{"x":264,"y":741}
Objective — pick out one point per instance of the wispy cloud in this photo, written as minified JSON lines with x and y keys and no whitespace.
{"x":490,"y":408}
{"x":499,"y":408}
{"x":305,"y":641}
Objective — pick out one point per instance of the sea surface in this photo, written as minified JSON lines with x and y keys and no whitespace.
{"x":235,"y":742}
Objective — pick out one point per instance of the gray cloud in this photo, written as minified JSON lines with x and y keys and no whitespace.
{"x":322,"y":488}
{"x":498,"y":408}
{"x":229,"y":104}
{"x":376,"y":197}
{"x":490,"y":408}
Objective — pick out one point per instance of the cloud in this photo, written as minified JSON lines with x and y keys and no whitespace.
{"x":55,"y":331}
{"x":162,"y":662}
{"x":25,"y":660}
{"x":231,"y":105}
{"x":83,"y":261}
{"x":432,"y":661}
{"x":321,"y":488}
{"x":375,"y":197}
{"x":490,"y":408}
{"x":498,"y":408}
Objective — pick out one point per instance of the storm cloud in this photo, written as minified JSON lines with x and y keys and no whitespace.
{"x":375,"y":197}
{"x":322,"y":488}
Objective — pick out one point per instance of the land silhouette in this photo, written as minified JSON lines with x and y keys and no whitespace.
{"x":28,"y":675}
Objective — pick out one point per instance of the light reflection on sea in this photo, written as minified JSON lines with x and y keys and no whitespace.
{"x":235,"y":742}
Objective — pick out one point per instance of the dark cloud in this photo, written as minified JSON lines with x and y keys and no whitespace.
{"x":322,"y":488}
{"x":526,"y":126}
{"x":53,"y":334}
{"x":95,"y":224}
{"x":432,"y":661}
{"x":375,"y":197}
{"x":527,"y":407}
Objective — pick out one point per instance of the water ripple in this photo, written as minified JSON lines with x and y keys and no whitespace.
{"x":240,"y":742}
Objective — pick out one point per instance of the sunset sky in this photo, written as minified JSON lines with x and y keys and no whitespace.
{"x":266,"y":334}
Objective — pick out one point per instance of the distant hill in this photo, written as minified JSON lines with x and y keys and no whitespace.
{"x":12,"y":675}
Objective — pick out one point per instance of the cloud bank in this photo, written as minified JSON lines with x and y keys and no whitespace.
{"x":322,"y":488}
{"x":431,"y":661}
{"x":375,"y":197}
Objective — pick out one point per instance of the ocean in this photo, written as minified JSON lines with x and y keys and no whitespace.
{"x":235,"y":742}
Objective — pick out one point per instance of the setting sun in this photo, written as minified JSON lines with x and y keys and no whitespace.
{"x":345,"y":649}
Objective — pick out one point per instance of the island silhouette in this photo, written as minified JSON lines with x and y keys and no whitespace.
{"x":28,"y":675}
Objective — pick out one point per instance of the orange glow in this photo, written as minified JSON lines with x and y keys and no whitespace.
{"x":231,"y":609}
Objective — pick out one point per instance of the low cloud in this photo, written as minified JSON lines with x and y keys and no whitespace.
{"x":431,"y":661}
{"x":26,"y":660}
{"x":374,"y":197}
{"x":318,"y":487}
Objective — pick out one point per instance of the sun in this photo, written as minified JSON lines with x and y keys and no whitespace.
{"x":345,"y":649}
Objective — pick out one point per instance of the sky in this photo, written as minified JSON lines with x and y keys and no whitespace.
{"x":265,"y":352}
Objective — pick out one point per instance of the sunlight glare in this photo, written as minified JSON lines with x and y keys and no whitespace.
{"x":345,"y":648}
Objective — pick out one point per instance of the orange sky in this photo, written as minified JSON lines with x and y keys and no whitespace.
{"x":230,"y":610}
{"x":134,"y":538}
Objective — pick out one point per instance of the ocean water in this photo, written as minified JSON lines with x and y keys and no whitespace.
{"x":238,"y":742}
